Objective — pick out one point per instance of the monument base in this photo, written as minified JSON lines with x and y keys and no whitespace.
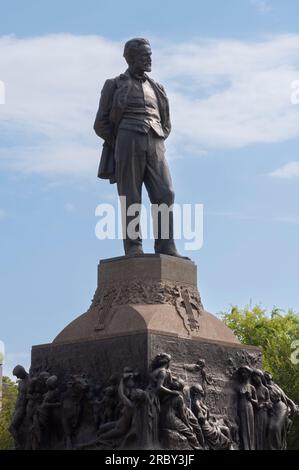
{"x":141,"y":366}
{"x":211,"y":364}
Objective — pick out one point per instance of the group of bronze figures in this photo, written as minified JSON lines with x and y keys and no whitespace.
{"x":265,"y":412}
{"x":162,"y":413}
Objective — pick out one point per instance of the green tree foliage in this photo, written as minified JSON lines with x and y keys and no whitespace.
{"x":275,"y":332}
{"x":9,"y":396}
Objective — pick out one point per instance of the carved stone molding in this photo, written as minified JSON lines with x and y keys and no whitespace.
{"x":184,"y":298}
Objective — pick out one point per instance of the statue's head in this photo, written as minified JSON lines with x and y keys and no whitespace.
{"x":19,"y":372}
{"x":161,"y":360}
{"x":137,"y":53}
{"x":78,"y":384}
{"x":244,"y":373}
{"x":109,"y":391}
{"x":128,"y":375}
{"x":114,"y":380}
{"x":201,"y":363}
{"x":257,"y":377}
{"x":52,"y":382}
{"x":196,"y":390}
{"x":43,"y":376}
{"x":268,"y":377}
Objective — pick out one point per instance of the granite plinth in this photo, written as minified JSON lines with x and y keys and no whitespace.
{"x":142,"y":307}
{"x":150,"y":293}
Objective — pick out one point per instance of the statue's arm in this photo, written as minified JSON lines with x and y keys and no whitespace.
{"x":103,"y":126}
{"x":160,"y":384}
{"x":164,"y":102}
{"x":288,"y":402}
{"x":253,"y":398}
{"x":181,"y":411}
{"x":167,"y":121}
{"x":125,"y":400}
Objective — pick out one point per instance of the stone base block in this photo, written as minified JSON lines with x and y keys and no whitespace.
{"x":195,"y":361}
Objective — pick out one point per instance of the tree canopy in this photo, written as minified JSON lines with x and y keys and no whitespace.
{"x":9,"y":396}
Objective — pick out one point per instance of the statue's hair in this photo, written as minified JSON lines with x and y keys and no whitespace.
{"x":246,"y":369}
{"x":196,"y":389}
{"x":18,"y":369}
{"x":201,"y":362}
{"x":160,"y":360}
{"x":44,"y":375}
{"x":260,"y":374}
{"x":52,"y":381}
{"x":131,"y":48}
{"x":267,"y":376}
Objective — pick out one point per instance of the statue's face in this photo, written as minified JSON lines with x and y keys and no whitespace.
{"x":268,"y":377}
{"x":244,"y":374}
{"x":20,"y":374}
{"x":197,"y":393}
{"x":143,"y":59}
{"x":256,"y":379}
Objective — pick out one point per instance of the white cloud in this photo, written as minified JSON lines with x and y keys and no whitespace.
{"x":223,"y":93}
{"x":287,"y":171}
{"x":52,"y":157}
{"x":246,"y":87}
{"x":2,"y":92}
{"x":263,"y":6}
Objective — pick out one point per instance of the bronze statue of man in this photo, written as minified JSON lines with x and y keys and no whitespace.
{"x":133,"y":119}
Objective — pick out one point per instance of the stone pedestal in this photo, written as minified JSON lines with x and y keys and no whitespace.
{"x":98,"y":359}
{"x":150,"y":293}
{"x":144,"y":306}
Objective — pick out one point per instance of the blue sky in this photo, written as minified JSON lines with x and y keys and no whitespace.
{"x":228,"y":68}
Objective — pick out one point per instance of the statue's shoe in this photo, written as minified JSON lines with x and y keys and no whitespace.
{"x":172,"y":252}
{"x":135,"y":251}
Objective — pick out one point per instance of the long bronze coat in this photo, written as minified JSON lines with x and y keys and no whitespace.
{"x":112,"y":105}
